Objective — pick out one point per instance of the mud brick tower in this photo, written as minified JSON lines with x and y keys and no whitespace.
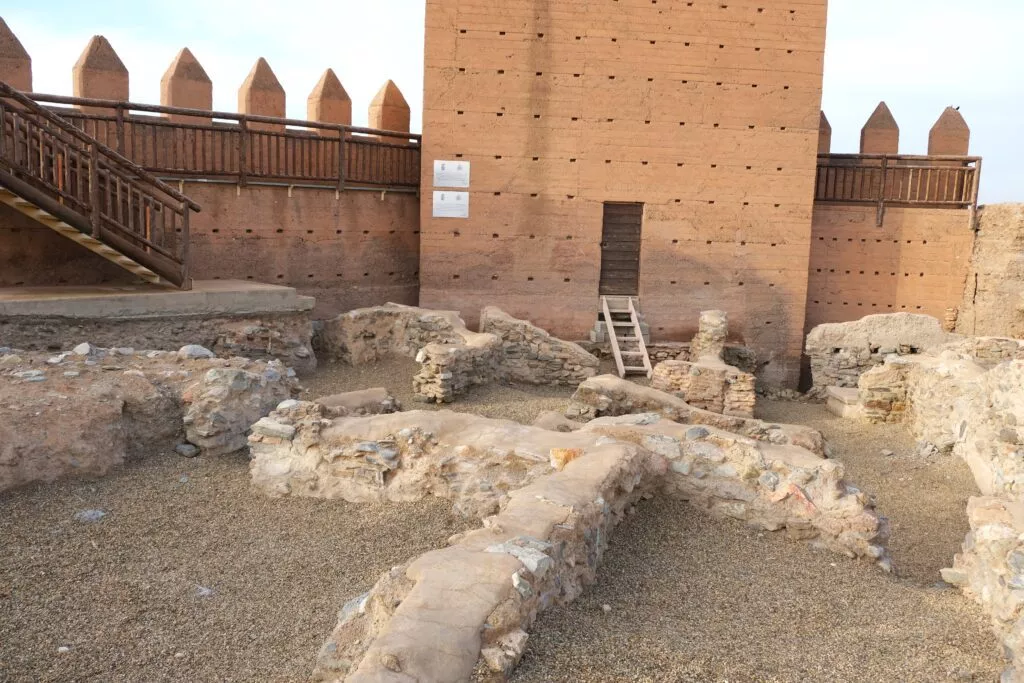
{"x":685,"y":132}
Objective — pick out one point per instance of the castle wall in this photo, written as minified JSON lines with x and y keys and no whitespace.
{"x":706,"y":113}
{"x":993,"y":303}
{"x":916,"y":262}
{"x":348,"y":250}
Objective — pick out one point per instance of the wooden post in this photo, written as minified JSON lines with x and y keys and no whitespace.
{"x":881,"y":191}
{"x":342,"y":160}
{"x":186,"y":277}
{"x":119,"y":126}
{"x":94,"y":189}
{"x":243,"y":151}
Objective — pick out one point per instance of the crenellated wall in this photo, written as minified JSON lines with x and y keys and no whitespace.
{"x":348,"y":248}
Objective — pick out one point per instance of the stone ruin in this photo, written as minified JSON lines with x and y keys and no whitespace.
{"x":452,"y":357}
{"x":548,"y":500}
{"x":85,"y":411}
{"x":965,"y":398}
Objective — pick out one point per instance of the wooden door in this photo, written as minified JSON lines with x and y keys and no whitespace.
{"x":620,"y":249}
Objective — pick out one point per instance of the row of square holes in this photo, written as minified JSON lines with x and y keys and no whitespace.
{"x":650,"y":79}
{"x":311,"y":276}
{"x":573,"y":160}
{"x":530,"y":278}
{"x":711,"y":202}
{"x":847,"y":303}
{"x":249,"y":231}
{"x":849,"y":272}
{"x":742,"y":243}
{"x":760,"y":10}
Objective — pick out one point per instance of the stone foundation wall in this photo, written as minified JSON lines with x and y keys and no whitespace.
{"x":449,"y":370}
{"x":716,"y":387}
{"x":841,"y":352}
{"x":283,"y":336}
{"x":533,"y":356}
{"x":83,"y":412}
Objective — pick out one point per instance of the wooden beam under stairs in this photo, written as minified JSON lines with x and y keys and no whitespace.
{"x":74,"y":234}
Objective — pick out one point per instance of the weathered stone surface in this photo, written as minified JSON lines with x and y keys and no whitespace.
{"x":92,"y":412}
{"x":556,"y":422}
{"x":708,"y":384}
{"x":360,"y":403}
{"x":711,"y":334}
{"x":533,"y":356}
{"x":771,"y":486}
{"x":841,"y":352}
{"x":609,"y":395}
{"x":471,"y":605}
{"x":227,"y":401}
{"x":442,"y":613}
{"x":990,"y":570}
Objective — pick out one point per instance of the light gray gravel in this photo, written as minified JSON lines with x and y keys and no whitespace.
{"x":189,"y":575}
{"x":695,"y":599}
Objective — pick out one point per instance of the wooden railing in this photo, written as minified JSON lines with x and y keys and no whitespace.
{"x":935,"y":181}
{"x":193,"y":143}
{"x":49,"y":162}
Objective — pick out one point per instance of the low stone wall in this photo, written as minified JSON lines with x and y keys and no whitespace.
{"x":770,"y":486}
{"x":610,"y":396}
{"x":737,"y":356}
{"x":83,"y":412}
{"x":553,"y":517}
{"x":841,"y":352}
{"x":366,"y":335}
{"x":708,"y":385}
{"x":533,"y":356}
{"x":285,"y":336}
{"x":453,"y":357}
{"x":990,"y":571}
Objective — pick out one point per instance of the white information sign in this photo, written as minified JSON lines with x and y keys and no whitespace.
{"x":449,"y":204}
{"x":451,"y":174}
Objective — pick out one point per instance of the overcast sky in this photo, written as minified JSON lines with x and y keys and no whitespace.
{"x":918,"y":55}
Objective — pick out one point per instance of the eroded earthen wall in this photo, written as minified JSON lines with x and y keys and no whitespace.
{"x":707,"y":113}
{"x":917,"y":262}
{"x":994,"y":298}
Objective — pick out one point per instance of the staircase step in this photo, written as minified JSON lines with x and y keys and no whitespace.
{"x":631,"y":368}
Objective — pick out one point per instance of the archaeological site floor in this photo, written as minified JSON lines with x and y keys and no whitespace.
{"x":696,"y":599}
{"x":191,"y":570}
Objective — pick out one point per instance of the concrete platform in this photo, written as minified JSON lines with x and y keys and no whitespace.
{"x":207,"y":297}
{"x":844,"y":402}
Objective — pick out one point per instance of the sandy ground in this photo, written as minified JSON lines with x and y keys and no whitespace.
{"x":692,"y":599}
{"x":126,"y":594}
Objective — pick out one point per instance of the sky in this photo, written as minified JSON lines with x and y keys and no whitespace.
{"x":918,"y":55}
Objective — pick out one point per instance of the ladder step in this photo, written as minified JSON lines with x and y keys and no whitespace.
{"x":634,"y":368}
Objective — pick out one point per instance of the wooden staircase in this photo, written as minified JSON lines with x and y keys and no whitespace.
{"x":69,"y":182}
{"x":622,"y":322}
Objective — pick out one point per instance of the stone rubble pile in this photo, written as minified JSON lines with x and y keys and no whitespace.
{"x":708,"y":384}
{"x":454,"y":358}
{"x":841,"y":352}
{"x":533,"y":356}
{"x":82,"y":412}
{"x":376,"y":401}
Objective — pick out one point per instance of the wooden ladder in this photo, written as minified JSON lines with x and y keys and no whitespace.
{"x":629,"y":350}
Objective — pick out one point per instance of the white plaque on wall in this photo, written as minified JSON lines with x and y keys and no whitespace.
{"x":451,"y":174}
{"x":448,"y":204}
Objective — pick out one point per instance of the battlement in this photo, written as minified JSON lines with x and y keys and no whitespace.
{"x":950,"y":136}
{"x":188,"y":139}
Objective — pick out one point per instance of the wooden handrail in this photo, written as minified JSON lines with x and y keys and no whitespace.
{"x":84,"y":185}
{"x":63,"y":125}
{"x":213,"y":114}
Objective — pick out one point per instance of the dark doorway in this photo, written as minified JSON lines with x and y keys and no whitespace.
{"x":620,"y":249}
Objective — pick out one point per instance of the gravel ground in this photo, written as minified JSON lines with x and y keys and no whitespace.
{"x":924,"y":499}
{"x":695,"y":599}
{"x":520,"y":403}
{"x":126,"y":594}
